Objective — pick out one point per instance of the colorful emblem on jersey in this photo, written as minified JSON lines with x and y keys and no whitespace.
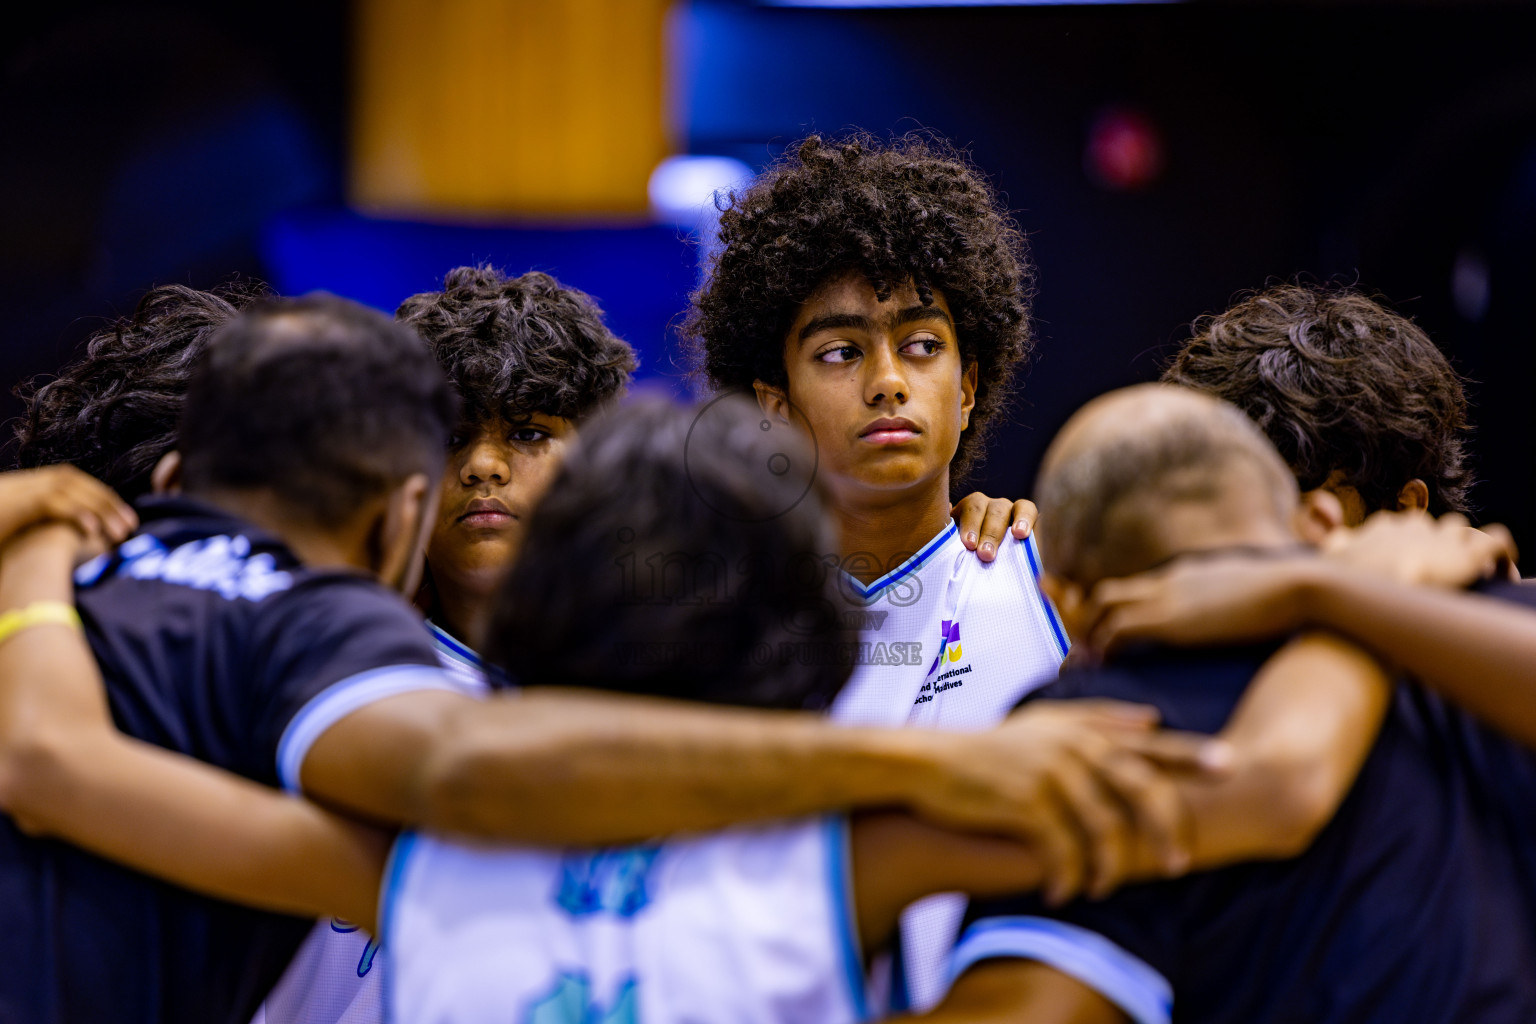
{"x":949,"y":645}
{"x":570,"y":1002}
{"x":608,"y":881}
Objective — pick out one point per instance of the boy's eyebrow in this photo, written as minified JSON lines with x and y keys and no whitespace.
{"x":857,"y":321}
{"x":833,"y":321}
{"x":915,"y":314}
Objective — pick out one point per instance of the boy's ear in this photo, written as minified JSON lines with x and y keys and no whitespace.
{"x":772,"y":400}
{"x":1068,"y":598}
{"x":1319,"y":514}
{"x":398,"y":540}
{"x":165,"y":478}
{"x":968,"y":393}
{"x":1414,"y":495}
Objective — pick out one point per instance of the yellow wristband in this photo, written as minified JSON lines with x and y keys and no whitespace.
{"x":38,"y":613}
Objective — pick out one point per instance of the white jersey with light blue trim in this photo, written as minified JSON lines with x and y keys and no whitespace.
{"x":948,"y":642}
{"x":459,"y":661}
{"x":337,"y":975}
{"x":749,"y":925}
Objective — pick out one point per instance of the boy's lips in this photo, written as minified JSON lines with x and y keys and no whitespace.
{"x":486,"y":512}
{"x":890,"y":430}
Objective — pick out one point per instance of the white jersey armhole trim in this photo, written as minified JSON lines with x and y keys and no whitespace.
{"x":840,"y":883}
{"x":1119,"y":976}
{"x":339,"y":700}
{"x":1058,"y":631}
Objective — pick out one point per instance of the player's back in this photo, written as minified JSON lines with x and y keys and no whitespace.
{"x":213,"y":641}
{"x":750,"y":925}
{"x":1405,"y":907}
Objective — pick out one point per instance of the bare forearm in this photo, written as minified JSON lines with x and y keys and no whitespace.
{"x":897,"y":859}
{"x":573,"y":767}
{"x":66,"y":772}
{"x":1477,"y":651}
{"x":1299,"y":736}
{"x":199,"y":827}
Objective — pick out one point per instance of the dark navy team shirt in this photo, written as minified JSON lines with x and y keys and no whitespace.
{"x":1413,"y":904}
{"x":214,"y":641}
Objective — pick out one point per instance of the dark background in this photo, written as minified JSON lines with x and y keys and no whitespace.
{"x":1389,"y":145}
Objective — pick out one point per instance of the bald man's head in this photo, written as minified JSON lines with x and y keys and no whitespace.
{"x":1149,"y":472}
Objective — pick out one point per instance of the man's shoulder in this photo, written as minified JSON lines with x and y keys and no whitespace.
{"x":1510,"y":591}
{"x":192,"y":551}
{"x":1194,"y":689}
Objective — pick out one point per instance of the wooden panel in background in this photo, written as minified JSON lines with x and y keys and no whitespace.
{"x":507,"y":108}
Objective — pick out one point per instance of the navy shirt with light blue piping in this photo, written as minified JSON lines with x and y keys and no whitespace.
{"x":214,"y":641}
{"x":1413,"y":904}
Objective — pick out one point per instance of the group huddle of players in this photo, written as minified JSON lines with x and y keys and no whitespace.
{"x":634,"y":712}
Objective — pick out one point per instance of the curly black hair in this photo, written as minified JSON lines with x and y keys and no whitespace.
{"x":913,"y":209}
{"x":697,"y":586}
{"x":1338,"y":382}
{"x":514,"y":346}
{"x":115,"y":412}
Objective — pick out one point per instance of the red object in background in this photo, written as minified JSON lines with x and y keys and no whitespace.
{"x":1125,"y":150}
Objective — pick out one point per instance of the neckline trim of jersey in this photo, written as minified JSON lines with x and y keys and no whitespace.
{"x":453,"y":648}
{"x":906,"y":568}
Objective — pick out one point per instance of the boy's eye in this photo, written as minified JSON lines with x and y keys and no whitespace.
{"x":527,"y":435}
{"x":839,"y":354}
{"x":923,"y":346}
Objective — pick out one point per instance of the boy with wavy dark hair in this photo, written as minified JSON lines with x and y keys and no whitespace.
{"x":529,"y":359}
{"x":877,"y":296}
{"x":1356,"y":398}
{"x":114,"y":413}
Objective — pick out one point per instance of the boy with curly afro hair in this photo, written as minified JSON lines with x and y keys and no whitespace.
{"x":1359,"y":401}
{"x":911,"y":214}
{"x":876,"y":295}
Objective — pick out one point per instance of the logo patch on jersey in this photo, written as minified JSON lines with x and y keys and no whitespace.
{"x":949,"y":644}
{"x":221,"y":564}
{"x":570,"y":1002}
{"x":606,"y":882}
{"x":950,"y":652}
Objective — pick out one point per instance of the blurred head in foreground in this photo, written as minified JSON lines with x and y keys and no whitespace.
{"x":678,"y":565}
{"x":1147,"y":474}
{"x":327,"y":416}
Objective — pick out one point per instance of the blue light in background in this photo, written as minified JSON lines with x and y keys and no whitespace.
{"x":682,"y":189}
{"x":641,"y":276}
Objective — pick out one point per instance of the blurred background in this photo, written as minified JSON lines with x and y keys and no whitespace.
{"x":1162,"y":157}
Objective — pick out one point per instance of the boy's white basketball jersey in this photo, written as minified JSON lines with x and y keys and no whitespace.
{"x":750,"y":925}
{"x":948,"y":642}
{"x":337,"y":975}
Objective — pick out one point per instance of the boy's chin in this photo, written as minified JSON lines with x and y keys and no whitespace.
{"x":893,"y":472}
